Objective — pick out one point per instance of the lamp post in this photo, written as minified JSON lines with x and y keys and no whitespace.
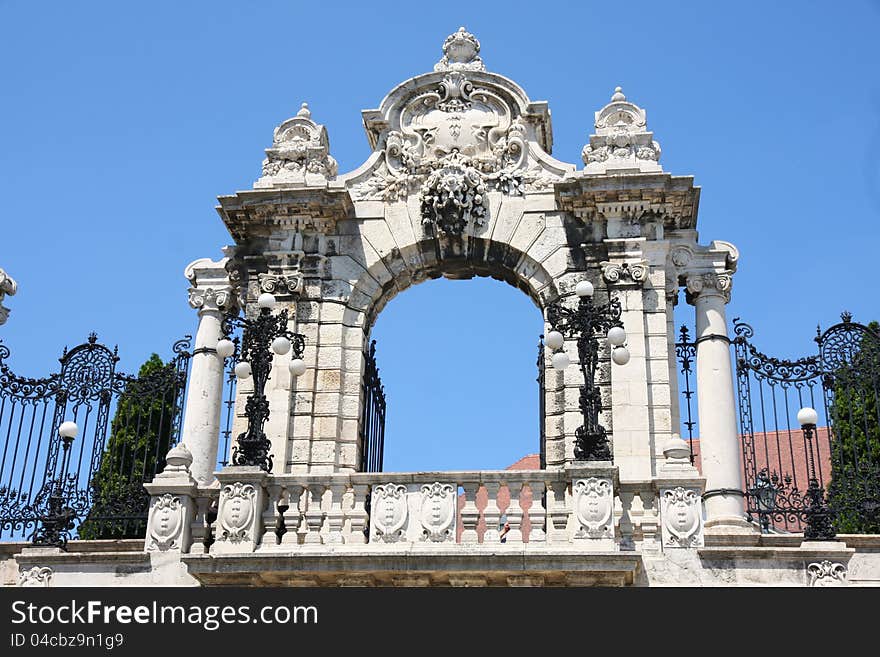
{"x":817,"y":514}
{"x":264,"y":334}
{"x":60,"y":513}
{"x":586,"y":324}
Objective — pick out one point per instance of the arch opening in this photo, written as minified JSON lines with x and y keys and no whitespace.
{"x":459,"y":366}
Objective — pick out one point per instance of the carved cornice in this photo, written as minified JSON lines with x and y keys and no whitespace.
{"x":258,"y":213}
{"x":709,"y":283}
{"x":625,"y":272}
{"x":646,"y":197}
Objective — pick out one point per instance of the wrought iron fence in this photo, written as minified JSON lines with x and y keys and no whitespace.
{"x":372,"y":422}
{"x":100,"y":474}
{"x":541,"y":405}
{"x":842,"y":455}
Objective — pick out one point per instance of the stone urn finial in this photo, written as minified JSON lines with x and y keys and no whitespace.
{"x":178,"y":459}
{"x":461,"y":52}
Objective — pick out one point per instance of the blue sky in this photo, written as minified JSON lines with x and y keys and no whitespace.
{"x":122,"y":122}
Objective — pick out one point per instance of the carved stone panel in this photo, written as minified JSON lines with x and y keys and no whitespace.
{"x":682,"y":516}
{"x":437,"y":512}
{"x":827,"y":573}
{"x":414,"y":513}
{"x":389,"y":513}
{"x":35,"y":576}
{"x":594,"y":508}
{"x":238,"y":518}
{"x":166,"y":525}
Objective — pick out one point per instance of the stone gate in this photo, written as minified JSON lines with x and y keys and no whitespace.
{"x":461,"y":182}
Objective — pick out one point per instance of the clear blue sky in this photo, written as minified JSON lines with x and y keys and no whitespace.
{"x":120,"y":123}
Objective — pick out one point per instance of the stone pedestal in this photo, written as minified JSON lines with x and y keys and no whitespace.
{"x":680,"y":488}
{"x":172,"y":504}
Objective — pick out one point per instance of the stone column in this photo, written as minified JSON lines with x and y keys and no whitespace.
{"x":720,"y":450}
{"x":212,"y":295}
{"x":7,"y":286}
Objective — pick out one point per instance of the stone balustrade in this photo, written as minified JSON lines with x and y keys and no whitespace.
{"x":582,"y":506}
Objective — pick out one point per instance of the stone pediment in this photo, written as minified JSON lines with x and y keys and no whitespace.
{"x":453,"y":136}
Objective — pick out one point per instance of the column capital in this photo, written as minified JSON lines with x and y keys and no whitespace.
{"x":709,"y":284}
{"x":284,"y":281}
{"x":632,"y":272}
{"x":212,"y":288}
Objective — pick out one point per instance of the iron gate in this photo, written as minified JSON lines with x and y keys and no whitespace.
{"x":841,"y":382}
{"x":372,"y":424}
{"x":91,"y":486}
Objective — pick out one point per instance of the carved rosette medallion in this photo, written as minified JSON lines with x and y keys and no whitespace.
{"x":236,"y":512}
{"x":167,"y":516}
{"x":682,"y":518}
{"x":35,"y":576}
{"x":437,"y":512}
{"x":594,"y":505}
{"x":389,"y":512}
{"x":827,"y":573}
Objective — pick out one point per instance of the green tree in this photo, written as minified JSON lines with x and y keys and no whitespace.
{"x":140,"y":435}
{"x":854,"y":490}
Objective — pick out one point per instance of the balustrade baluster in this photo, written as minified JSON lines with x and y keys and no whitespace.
{"x":537,"y":514}
{"x":314,"y":513}
{"x":492,"y":514}
{"x":470,"y":514}
{"x":557,"y":532}
{"x":515,"y":513}
{"x":269,"y":538}
{"x":335,"y":515}
{"x":292,"y":515}
{"x":357,"y":514}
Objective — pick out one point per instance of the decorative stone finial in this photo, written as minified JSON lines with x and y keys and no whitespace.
{"x":461,"y":52}
{"x":300,"y":154}
{"x":7,"y":286}
{"x":178,"y":459}
{"x":622,"y":142}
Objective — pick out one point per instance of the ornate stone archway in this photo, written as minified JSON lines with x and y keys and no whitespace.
{"x":461,"y":182}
